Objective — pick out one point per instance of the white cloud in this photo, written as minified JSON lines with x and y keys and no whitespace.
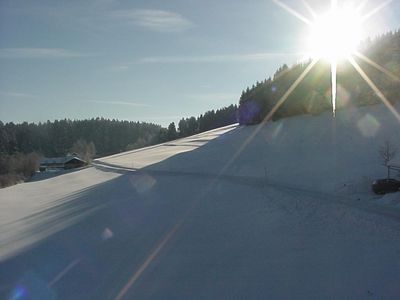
{"x":102,"y":16}
{"x":16,"y":95}
{"x":126,"y":103}
{"x":155,"y":20}
{"x":38,"y":53}
{"x":214,"y":58}
{"x":119,"y":68}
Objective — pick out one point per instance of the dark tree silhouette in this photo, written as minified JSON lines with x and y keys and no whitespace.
{"x":312,"y":96}
{"x":172,"y":134}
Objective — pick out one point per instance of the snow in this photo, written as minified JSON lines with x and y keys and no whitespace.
{"x":21,"y":207}
{"x":150,"y":155}
{"x":291,"y":216}
{"x":323,"y":153}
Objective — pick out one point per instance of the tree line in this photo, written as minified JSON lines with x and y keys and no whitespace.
{"x":22,"y":145}
{"x":100,"y":136}
{"x":210,"y":120}
{"x":313,"y":94}
{"x":57,"y":138}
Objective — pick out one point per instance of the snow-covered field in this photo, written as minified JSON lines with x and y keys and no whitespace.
{"x":285,"y":214}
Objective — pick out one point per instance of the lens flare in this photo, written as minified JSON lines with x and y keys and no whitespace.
{"x":19,"y":292}
{"x":335,"y":36}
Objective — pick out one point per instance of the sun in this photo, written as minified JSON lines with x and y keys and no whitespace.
{"x":333,"y":37}
{"x":336,"y":35}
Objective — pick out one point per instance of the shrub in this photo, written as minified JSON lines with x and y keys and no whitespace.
{"x":17,"y":167}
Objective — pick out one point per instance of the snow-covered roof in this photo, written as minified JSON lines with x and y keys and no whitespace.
{"x":59,"y":160}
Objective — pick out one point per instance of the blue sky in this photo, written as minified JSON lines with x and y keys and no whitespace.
{"x":153,"y":61}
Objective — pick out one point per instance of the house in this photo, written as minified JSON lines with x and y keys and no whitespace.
{"x":61,"y":163}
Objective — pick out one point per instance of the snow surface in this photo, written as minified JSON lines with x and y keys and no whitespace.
{"x":290,"y":215}
{"x":150,"y":155}
{"x":29,"y":211}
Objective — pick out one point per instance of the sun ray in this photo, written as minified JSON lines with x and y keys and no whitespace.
{"x":333,"y":49}
{"x":374,"y":88}
{"x":269,"y":115}
{"x":309,"y":9}
{"x":334,"y":85}
{"x":161,"y":245}
{"x":361,"y":6}
{"x":377,"y":66}
{"x":289,"y":91}
{"x":376,"y":10}
{"x":293,"y":12}
{"x":137,"y":274}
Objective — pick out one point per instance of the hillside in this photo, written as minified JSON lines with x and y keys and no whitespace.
{"x":313,"y":95}
{"x":288,"y":215}
{"x":317,"y":152}
{"x":22,"y":145}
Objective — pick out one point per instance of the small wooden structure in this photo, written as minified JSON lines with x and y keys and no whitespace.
{"x":61,"y":163}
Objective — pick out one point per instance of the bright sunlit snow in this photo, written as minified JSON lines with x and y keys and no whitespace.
{"x":292,"y":217}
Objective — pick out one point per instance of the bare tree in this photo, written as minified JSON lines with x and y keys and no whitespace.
{"x":84,"y":150}
{"x":387,"y":152}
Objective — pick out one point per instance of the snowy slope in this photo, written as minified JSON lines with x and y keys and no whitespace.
{"x":290,"y":215}
{"x":22,"y":206}
{"x":144,"y":157}
{"x":317,"y":152}
{"x":29,"y":211}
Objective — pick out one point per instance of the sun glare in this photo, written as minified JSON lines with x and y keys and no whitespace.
{"x":335,"y":35}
